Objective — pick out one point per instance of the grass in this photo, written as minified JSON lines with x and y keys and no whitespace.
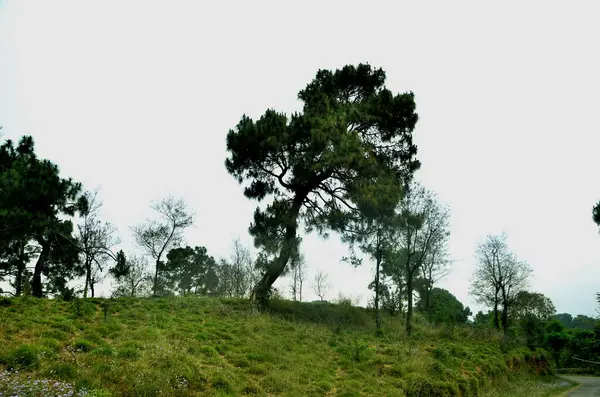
{"x":187,"y":346}
{"x":532,"y":387}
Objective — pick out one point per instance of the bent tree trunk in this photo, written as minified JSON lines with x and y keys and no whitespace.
{"x":36,"y":285}
{"x":262,"y":290}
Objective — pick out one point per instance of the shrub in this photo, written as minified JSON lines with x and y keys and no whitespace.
{"x":24,"y":356}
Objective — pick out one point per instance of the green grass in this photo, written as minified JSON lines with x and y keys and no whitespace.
{"x":531,"y":387}
{"x":186,"y":346}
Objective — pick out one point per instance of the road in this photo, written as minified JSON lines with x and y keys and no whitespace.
{"x":590,"y":386}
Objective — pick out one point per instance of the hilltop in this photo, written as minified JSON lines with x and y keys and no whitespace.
{"x":190,"y":346}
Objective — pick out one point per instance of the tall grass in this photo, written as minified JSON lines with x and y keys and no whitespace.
{"x":188,"y":346}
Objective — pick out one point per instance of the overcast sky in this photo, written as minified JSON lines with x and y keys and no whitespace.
{"x":137,"y":96}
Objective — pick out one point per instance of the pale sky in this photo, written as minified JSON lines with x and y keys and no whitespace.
{"x":137,"y":97}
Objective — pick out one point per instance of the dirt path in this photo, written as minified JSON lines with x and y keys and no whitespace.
{"x":590,"y":386}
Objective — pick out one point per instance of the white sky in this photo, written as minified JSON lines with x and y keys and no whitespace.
{"x":137,"y":97}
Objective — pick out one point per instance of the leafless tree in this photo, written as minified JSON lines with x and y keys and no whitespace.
{"x":236,"y":274}
{"x":298,"y":273}
{"x":499,"y":277}
{"x":435,"y":267}
{"x":321,"y":284}
{"x":158,"y":237}
{"x":96,"y":240}
{"x":241,"y":262}
{"x":136,"y":281}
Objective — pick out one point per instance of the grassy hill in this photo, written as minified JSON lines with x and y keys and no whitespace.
{"x":187,"y":346}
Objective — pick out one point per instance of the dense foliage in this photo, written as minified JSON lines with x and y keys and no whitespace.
{"x":351,"y":142}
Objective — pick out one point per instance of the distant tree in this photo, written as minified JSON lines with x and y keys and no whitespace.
{"x":191,"y":270}
{"x":482,"y":319}
{"x":444,"y":308}
{"x":237,"y":273}
{"x":298,"y":274}
{"x":121,"y":267}
{"x":425,"y":223}
{"x":158,"y":237}
{"x":565,"y":319}
{"x":498,"y":277}
{"x":321,"y":284}
{"x":352,"y":135}
{"x":132,"y":276}
{"x":584,"y":322}
{"x":596,"y":213}
{"x":556,"y":339}
{"x":532,"y":304}
{"x":241,"y":262}
{"x":96,"y":239}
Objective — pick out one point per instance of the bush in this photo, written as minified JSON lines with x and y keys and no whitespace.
{"x":24,"y":356}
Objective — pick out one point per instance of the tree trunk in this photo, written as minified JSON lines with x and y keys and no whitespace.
{"x":496,"y":319}
{"x":377,"y":314}
{"x":428,"y":297}
{"x":21,"y":266}
{"x":409,"y":308}
{"x":88,"y":276}
{"x":92,"y":287}
{"x":36,"y":285}
{"x":19,"y":279}
{"x":155,"y":283}
{"x":505,"y":319}
{"x":504,"y":312}
{"x":262,"y":289}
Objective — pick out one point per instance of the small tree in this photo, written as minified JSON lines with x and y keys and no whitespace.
{"x":321,"y":285}
{"x":241,"y":262}
{"x":498,"y":277}
{"x":298,"y":274}
{"x":158,"y":237}
{"x":444,"y":308}
{"x":96,"y":239}
{"x":132,"y":275}
{"x":236,"y":274}
{"x":191,"y":270}
{"x":532,"y":304}
{"x":435,"y":267}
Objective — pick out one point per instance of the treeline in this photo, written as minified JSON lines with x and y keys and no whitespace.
{"x":51,"y":234}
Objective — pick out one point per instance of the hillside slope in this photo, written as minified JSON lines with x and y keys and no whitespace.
{"x":185,"y":346}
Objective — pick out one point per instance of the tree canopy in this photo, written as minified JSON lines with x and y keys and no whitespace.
{"x":33,"y":202}
{"x":352,"y":141}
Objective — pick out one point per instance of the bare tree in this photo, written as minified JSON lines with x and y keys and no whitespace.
{"x":321,"y":284}
{"x":498,"y":277}
{"x":158,"y":237}
{"x":241,"y":262}
{"x":236,"y":274}
{"x":96,"y":240}
{"x":435,"y":267}
{"x":135,"y":279}
{"x":298,"y":273}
